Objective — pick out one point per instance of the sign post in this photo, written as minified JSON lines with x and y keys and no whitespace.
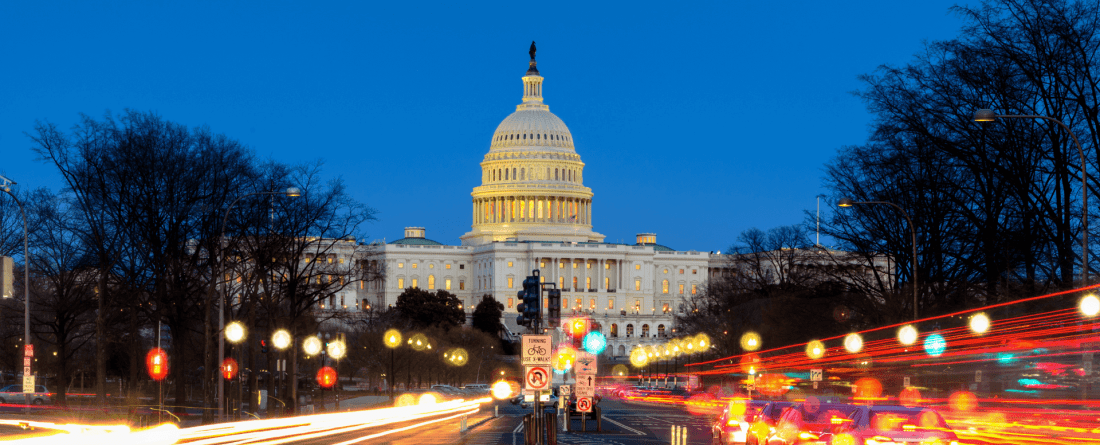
{"x":815,"y":376}
{"x":536,"y":351}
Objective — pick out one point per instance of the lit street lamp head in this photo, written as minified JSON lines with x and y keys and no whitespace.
{"x":845,"y":202}
{"x":392,"y":338}
{"x":293,"y":192}
{"x":985,"y":115}
{"x":336,"y":349}
{"x":234,"y":332}
{"x":281,"y":339}
{"x":312,"y":345}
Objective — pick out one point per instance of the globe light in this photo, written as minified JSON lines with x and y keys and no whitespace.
{"x":907,"y":335}
{"x":934,"y":345}
{"x":502,"y":390}
{"x":336,"y":349}
{"x":312,"y":345}
{"x":853,"y":343}
{"x":281,"y":339}
{"x":979,"y":323}
{"x":458,"y":357}
{"x":702,"y":342}
{"x":595,"y":342}
{"x":234,"y":332}
{"x":638,"y":357}
{"x":418,"y":342}
{"x":750,"y":341}
{"x":815,"y":349}
{"x":1090,"y":305}
{"x":392,"y":338}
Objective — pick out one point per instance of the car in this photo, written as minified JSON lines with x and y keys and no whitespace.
{"x":763,"y":423}
{"x":477,"y":388}
{"x":548,"y":398}
{"x":810,"y":423}
{"x":572,"y":408}
{"x":895,"y":424}
{"x":14,"y":394}
{"x":732,"y":427}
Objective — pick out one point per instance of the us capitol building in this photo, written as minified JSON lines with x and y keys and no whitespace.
{"x":532,"y":211}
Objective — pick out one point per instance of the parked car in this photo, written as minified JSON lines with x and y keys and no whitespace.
{"x":14,"y":394}
{"x":763,"y":424}
{"x":810,"y":423}
{"x":732,"y":427}
{"x":897,"y":424}
{"x":477,"y":388}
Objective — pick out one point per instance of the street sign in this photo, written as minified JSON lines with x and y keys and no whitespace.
{"x":28,"y":351}
{"x":537,"y":377}
{"x":28,"y":384}
{"x":905,"y":382}
{"x":586,"y":363}
{"x":536,"y":350}
{"x":565,"y":390}
{"x":27,"y":362}
{"x":586,"y":385}
{"x":977,"y":376}
{"x":584,"y":404}
{"x":815,"y":375}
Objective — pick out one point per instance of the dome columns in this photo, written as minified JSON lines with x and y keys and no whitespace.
{"x":535,"y":208}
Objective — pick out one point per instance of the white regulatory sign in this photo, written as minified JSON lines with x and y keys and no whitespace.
{"x":586,"y":363}
{"x":537,"y":377}
{"x":28,"y":384}
{"x":815,"y":375}
{"x":565,"y":390}
{"x":536,"y":350}
{"x":586,"y":385}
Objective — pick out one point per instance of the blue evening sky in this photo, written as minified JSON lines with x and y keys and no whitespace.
{"x":696,"y":120}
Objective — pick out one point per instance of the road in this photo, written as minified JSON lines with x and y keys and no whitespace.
{"x":624,"y":424}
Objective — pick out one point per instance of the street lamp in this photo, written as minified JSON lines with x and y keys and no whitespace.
{"x":392,"y":339}
{"x":292,"y":192}
{"x":281,"y":339}
{"x":847,"y":202}
{"x":5,"y":186}
{"x":986,"y":115}
{"x":234,"y":332}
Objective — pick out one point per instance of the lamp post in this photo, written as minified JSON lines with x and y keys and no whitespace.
{"x":292,"y":192}
{"x":234,"y":332}
{"x":392,"y":339}
{"x":986,"y":115}
{"x":336,"y":349}
{"x":848,"y":202}
{"x":281,"y":339}
{"x":5,"y":186}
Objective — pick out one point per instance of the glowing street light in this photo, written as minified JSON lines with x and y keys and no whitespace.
{"x":281,"y":339}
{"x":907,"y":335}
{"x":750,"y":341}
{"x":312,"y":345}
{"x":815,"y":349}
{"x":979,"y":323}
{"x":392,"y":339}
{"x":1090,"y":305}
{"x":234,"y":332}
{"x":853,"y":343}
{"x":336,"y":349}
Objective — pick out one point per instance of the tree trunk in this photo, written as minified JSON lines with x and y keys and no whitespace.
{"x":101,"y":341}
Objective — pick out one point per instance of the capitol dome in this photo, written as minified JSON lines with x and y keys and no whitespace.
{"x":532,"y":178}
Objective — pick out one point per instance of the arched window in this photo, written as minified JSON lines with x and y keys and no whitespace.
{"x":525,"y":136}
{"x":645,"y":330}
{"x":629,"y":330}
{"x":513,"y":173}
{"x":431,"y":281}
{"x":614,"y":330}
{"x":555,"y":174}
{"x":522,"y":174}
{"x":661,"y":330}
{"x":664,"y":286}
{"x":622,"y":350}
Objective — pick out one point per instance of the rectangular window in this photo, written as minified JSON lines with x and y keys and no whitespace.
{"x":360,"y":284}
{"x":607,"y":266}
{"x":414,"y":283}
{"x":592,"y":303}
{"x":664,"y":308}
{"x":400,"y":265}
{"x":400,"y":283}
{"x":448,"y":284}
{"x":542,"y":278}
{"x":610,"y":304}
{"x":448,"y":267}
{"x":637,"y":267}
{"x":561,"y":265}
{"x":694,"y":271}
{"x":561,"y":282}
{"x":510,"y":303}
{"x":415,"y":265}
{"x":342,"y":302}
{"x":577,"y":304}
{"x":587,"y":282}
{"x":588,"y":265}
{"x":509,"y":264}
{"x":681,"y":271}
{"x":606,"y":283}
{"x":637,"y":284}
{"x":461,"y":285}
{"x":693,"y":289}
{"x":509,"y":282}
{"x":542,"y":263}
{"x":637,"y":305}
{"x":545,"y":303}
{"x":681,"y":289}
{"x":461,"y":266}
{"x":664,"y":287}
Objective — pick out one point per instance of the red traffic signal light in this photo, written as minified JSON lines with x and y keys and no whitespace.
{"x":156,"y":363}
{"x":580,"y":327}
{"x":229,"y":368}
{"x":326,"y":377}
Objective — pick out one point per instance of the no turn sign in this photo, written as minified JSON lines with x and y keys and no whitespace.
{"x":584,"y":404}
{"x":537,"y":378}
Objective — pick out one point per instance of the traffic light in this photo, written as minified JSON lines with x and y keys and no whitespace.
{"x":530,"y":310}
{"x":263,"y":346}
{"x":553,"y":310}
{"x":578,"y":329}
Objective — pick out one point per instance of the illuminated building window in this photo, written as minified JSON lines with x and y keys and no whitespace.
{"x":509,"y":282}
{"x":664,"y":308}
{"x":592,"y":304}
{"x":448,"y":284}
{"x":681,"y":271}
{"x":414,"y":265}
{"x":561,"y":265}
{"x":510,"y":303}
{"x":448,"y":267}
{"x":614,"y":329}
{"x":637,"y":305}
{"x":681,"y":289}
{"x":574,"y":282}
{"x":542,"y":279}
{"x":661,"y":330}
{"x":509,"y":265}
{"x":587,"y":282}
{"x":694,"y":271}
{"x":361,"y":284}
{"x":664,"y":286}
{"x":431,"y":266}
{"x":461,"y":285}
{"x":629,"y":330}
{"x":341,"y":261}
{"x":693,"y":289}
{"x":588,"y":265}
{"x":542,"y":263}
{"x":607,"y":266}
{"x":637,"y":267}
{"x":637,"y":284}
{"x":574,"y":265}
{"x":561,"y":282}
{"x":666,"y":270}
{"x":578,"y":304}
{"x":610,"y":304}
{"x":400,"y":283}
{"x":545,"y":303}
{"x":645,"y":330}
{"x":414,"y":283}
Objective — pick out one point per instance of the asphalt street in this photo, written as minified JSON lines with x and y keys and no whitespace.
{"x":623,"y":424}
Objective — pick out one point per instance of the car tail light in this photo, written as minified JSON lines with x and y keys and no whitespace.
{"x":879,"y":440}
{"x":732,"y":422}
{"x":807,"y":436}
